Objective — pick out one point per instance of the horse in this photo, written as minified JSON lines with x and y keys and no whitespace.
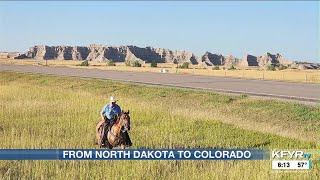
{"x":118,"y":134}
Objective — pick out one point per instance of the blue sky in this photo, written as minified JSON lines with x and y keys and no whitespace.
{"x":289,"y":27}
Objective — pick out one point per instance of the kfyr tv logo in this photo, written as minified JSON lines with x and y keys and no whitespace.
{"x":290,"y":155}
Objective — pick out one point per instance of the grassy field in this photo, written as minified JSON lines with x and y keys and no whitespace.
{"x":38,"y":111}
{"x":294,"y":75}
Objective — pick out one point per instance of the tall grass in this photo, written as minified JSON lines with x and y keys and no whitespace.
{"x":38,"y":111}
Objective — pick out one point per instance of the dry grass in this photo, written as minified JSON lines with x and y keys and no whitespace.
{"x":39,"y":111}
{"x":294,"y":75}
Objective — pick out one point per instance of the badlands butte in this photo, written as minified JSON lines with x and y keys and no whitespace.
{"x":103,"y":53}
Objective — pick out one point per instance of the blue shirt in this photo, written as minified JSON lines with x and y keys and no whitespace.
{"x":111,"y":112}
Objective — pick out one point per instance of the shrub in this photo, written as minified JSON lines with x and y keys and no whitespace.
{"x":136,"y":64}
{"x":84,"y":63}
{"x":282,"y":67}
{"x":216,"y":68}
{"x":243,"y":96}
{"x":271,"y":67}
{"x":184,"y":65}
{"x":128,"y":63}
{"x":154,"y":64}
{"x":231,"y":68}
{"x":111,"y":63}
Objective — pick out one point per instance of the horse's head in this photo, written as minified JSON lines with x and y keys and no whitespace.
{"x":125,"y":121}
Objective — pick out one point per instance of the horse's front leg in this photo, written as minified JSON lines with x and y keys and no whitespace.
{"x":123,"y":146}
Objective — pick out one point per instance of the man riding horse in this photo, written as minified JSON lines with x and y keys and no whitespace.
{"x":109,"y":113}
{"x":117,"y":123}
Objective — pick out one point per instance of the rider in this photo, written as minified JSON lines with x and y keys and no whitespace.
{"x":109,"y":113}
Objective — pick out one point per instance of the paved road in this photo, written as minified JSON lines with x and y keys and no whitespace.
{"x":275,"y":89}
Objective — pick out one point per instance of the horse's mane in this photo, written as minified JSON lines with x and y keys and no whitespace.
{"x":118,"y":118}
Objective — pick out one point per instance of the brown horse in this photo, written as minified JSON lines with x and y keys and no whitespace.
{"x":118,"y":134}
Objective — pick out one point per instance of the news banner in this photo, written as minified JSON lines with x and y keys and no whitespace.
{"x":280,"y":159}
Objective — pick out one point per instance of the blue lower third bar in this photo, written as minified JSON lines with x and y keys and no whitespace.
{"x":29,"y":154}
{"x":133,"y":154}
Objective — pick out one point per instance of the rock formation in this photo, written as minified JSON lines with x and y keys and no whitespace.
{"x":12,"y":55}
{"x":264,"y":60}
{"x":210,"y":59}
{"x":213,"y":59}
{"x":102,"y":53}
{"x":273,"y":59}
{"x":249,"y":60}
{"x":304,"y":66}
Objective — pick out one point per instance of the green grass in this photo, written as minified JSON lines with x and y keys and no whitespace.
{"x":39,"y":111}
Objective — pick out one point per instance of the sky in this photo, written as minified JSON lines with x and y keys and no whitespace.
{"x":290,"y":28}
